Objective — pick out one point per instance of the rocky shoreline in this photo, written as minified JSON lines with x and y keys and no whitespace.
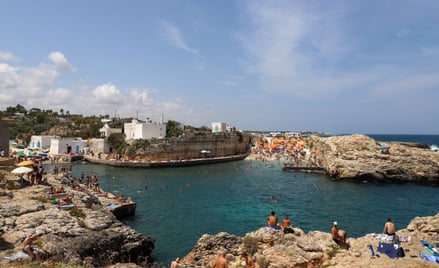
{"x":361,"y":158}
{"x":270,"y":248}
{"x":88,"y":234}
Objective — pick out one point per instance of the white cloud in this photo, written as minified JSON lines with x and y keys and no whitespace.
{"x":60,"y":61}
{"x":36,"y":87}
{"x":7,"y":56}
{"x":174,"y":37}
{"x":106,"y":91}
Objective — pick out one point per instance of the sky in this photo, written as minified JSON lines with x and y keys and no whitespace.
{"x":339,"y":66}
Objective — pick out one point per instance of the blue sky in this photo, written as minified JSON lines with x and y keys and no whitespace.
{"x":332,"y":66}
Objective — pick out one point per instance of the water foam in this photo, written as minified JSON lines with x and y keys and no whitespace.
{"x":434,"y":148}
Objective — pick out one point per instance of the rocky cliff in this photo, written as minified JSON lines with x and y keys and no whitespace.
{"x":360,"y":157}
{"x":272,"y":249}
{"x":88,"y":234}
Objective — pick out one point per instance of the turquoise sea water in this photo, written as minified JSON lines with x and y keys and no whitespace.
{"x":178,"y":205}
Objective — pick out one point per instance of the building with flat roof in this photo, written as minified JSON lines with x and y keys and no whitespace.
{"x":144,"y":130}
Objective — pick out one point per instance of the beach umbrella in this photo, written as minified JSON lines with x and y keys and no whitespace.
{"x":21,"y":170}
{"x":25,"y":163}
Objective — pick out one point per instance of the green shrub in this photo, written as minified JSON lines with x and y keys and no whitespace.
{"x":77,"y":212}
{"x":250,"y":244}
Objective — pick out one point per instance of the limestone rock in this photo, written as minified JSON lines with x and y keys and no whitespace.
{"x":314,"y":249}
{"x":360,"y":157}
{"x":88,"y":234}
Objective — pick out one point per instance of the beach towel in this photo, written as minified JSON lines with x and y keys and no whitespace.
{"x":269,"y":228}
{"x":391,"y":250}
{"x":372,"y":252}
{"x":19,"y":255}
{"x":66,"y":207}
{"x":405,"y":238}
{"x":384,"y":237}
{"x":113,"y":206}
{"x":430,"y":258}
{"x":430,"y":248}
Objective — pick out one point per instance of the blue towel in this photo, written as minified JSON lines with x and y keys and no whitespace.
{"x":430,"y":258}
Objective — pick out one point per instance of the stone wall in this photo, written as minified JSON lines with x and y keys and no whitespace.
{"x":194,"y":146}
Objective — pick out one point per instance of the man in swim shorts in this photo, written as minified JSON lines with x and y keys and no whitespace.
{"x":389,"y":227}
{"x":272,"y":220}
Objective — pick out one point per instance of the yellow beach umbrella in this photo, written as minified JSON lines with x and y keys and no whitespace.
{"x":25,"y":163}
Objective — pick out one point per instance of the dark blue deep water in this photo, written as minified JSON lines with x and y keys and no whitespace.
{"x":178,"y":205}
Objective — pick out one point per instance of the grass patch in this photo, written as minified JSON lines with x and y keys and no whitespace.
{"x":332,"y":250}
{"x":40,"y":198}
{"x":77,"y":212}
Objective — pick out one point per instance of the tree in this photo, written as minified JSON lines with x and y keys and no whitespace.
{"x":173,"y":129}
{"x":117,"y":140}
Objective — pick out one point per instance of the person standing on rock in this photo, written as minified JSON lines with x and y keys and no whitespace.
{"x":389,"y":227}
{"x":221,"y":261}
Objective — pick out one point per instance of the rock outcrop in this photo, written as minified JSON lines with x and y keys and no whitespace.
{"x":360,"y":157}
{"x":88,"y":234}
{"x":274,"y":249}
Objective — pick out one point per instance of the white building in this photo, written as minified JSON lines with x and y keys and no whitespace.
{"x":106,"y":131}
{"x":67,"y":146}
{"x":144,"y":130}
{"x":219,"y":127}
{"x":40,"y":142}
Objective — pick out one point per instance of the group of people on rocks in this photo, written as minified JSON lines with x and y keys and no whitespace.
{"x":36,"y":176}
{"x":338,"y":236}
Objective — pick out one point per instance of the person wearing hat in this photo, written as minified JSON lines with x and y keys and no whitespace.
{"x":339,"y":236}
{"x":176,"y":263}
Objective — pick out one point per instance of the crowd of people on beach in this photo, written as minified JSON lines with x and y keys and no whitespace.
{"x":294,"y":151}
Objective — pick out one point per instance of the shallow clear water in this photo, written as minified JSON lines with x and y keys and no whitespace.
{"x":178,"y":205}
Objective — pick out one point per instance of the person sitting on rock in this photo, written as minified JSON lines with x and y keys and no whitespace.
{"x":66,"y":200}
{"x":29,"y":248}
{"x":339,"y":236}
{"x":389,"y":227}
{"x":272,"y":221}
{"x":286,"y":225}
